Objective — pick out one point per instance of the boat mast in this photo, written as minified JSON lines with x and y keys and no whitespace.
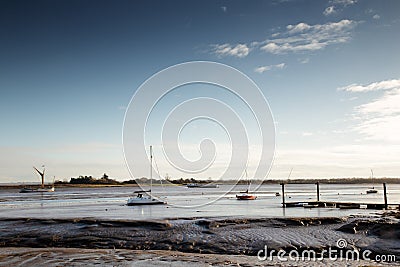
{"x":290,"y":173}
{"x":151,"y":168}
{"x":372,"y":178}
{"x":41,"y":175}
{"x":248,"y":181}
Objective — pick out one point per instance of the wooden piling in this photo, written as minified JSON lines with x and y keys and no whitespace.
{"x":317,"y":183}
{"x":385,"y":196}
{"x":283,"y":195}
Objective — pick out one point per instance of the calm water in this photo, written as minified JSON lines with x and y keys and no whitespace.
{"x":110,"y":202}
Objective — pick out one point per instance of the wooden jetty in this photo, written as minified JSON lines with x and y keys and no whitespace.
{"x":337,"y":204}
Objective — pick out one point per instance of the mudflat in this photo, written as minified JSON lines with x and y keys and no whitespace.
{"x":202,"y":241}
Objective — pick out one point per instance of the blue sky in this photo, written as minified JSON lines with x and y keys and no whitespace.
{"x":329,"y":69}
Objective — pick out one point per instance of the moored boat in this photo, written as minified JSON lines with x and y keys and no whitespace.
{"x":145,"y":197}
{"x":42,"y":188}
{"x":246,"y":196}
{"x":372,"y":191}
{"x":348,"y":206}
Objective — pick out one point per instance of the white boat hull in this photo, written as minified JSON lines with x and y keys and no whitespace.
{"x":135,"y":201}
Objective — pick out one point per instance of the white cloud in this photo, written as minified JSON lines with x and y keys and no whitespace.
{"x":280,"y":66}
{"x":304,"y":60}
{"x":388,"y":104}
{"x":224,"y":8}
{"x":263,"y":69}
{"x":348,"y":99}
{"x":344,"y":2}
{"x":239,"y":50}
{"x":384,"y":128}
{"x":307,"y":134}
{"x":329,"y":10}
{"x":337,"y":6}
{"x":369,"y":11}
{"x":382,"y":85}
{"x":380,"y":118}
{"x":303,"y":37}
{"x":376,"y":16}
{"x":301,"y":27}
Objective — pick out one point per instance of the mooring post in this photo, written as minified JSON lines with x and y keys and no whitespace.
{"x":283,"y":195}
{"x":317,"y":183}
{"x":384,"y":196}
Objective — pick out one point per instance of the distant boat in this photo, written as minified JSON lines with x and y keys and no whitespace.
{"x":277,"y":194}
{"x":348,"y":206}
{"x":42,"y":188}
{"x":36,"y":190}
{"x":372,"y":190}
{"x":246,"y":195}
{"x":144,"y":197}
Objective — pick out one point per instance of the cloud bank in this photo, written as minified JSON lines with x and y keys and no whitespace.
{"x":298,"y":38}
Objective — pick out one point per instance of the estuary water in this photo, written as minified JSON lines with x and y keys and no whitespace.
{"x":183,"y":202}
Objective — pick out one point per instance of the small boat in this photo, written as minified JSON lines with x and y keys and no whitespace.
{"x":348,"y":206}
{"x":36,"y":190}
{"x":277,"y":194}
{"x":42,"y":188}
{"x":145,"y":197}
{"x":372,"y":191}
{"x":28,"y":190}
{"x":246,"y":196}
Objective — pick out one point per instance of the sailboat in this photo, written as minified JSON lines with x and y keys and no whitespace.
{"x":144,"y":197}
{"x":42,"y":187}
{"x":372,"y":190}
{"x":245,"y":195}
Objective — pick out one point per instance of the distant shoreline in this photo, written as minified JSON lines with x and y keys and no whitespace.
{"x":19,"y":186}
{"x":227,"y":182}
